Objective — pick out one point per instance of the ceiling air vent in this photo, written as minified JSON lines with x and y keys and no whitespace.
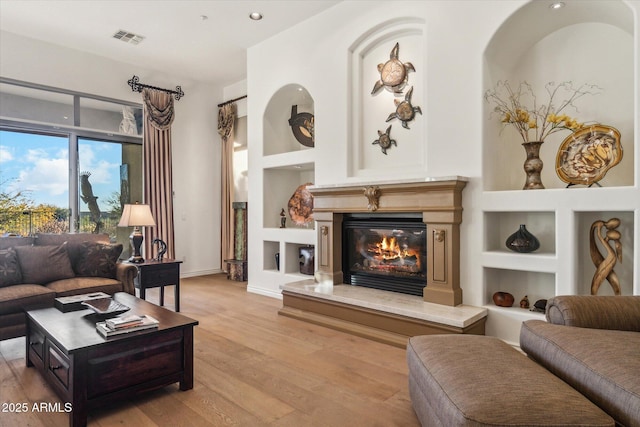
{"x":128,"y":37}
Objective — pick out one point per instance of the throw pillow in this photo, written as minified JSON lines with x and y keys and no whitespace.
{"x":98,"y":260}
{"x":10,"y":273}
{"x":44,"y":264}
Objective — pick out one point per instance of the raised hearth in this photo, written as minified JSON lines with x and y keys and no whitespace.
{"x":384,"y":316}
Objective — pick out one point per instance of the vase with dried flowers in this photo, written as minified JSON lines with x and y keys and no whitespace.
{"x":519,"y":108}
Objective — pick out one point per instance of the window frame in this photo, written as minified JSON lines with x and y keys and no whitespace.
{"x":72,"y":132}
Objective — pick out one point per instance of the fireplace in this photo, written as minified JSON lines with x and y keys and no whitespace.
{"x":433,"y":205}
{"x":385,"y":251}
{"x":406,"y":231}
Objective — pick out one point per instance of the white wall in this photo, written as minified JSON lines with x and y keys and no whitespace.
{"x":195,"y":139}
{"x":315,"y":54}
{"x":456,"y":34}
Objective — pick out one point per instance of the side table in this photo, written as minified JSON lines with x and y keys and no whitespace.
{"x":154,"y":274}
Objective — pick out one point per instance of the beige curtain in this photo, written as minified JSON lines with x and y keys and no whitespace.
{"x":226,"y":129}
{"x":158,"y":177}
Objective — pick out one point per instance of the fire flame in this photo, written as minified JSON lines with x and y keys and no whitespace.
{"x":388,"y":249}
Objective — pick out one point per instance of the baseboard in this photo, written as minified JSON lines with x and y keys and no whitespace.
{"x":184,"y":275}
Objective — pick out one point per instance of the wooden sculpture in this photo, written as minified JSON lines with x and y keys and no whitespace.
{"x":604,"y":264}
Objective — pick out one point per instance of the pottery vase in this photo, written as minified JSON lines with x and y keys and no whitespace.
{"x":533,"y":165}
{"x":522,"y":241}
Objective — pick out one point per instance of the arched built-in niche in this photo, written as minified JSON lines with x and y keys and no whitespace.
{"x":589,"y":42}
{"x":277,"y":134}
{"x":369,"y":112}
{"x":582,"y":42}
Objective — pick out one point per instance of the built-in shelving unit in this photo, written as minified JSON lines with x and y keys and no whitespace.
{"x":559,"y":217}
{"x":284,"y":165}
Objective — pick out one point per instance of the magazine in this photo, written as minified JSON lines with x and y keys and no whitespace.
{"x":147,"y":322}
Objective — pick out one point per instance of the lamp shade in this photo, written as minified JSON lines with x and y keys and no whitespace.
{"x":136,"y":216}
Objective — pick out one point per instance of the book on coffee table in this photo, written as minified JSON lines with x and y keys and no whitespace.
{"x":146,"y":322}
{"x":124,"y":321}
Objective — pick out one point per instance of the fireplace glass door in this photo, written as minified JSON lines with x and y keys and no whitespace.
{"x":388,"y":253}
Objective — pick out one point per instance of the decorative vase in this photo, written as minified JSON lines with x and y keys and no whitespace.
{"x":533,"y":165}
{"x":522,"y":241}
{"x":503,"y":299}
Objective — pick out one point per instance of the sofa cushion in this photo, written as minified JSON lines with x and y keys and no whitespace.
{"x":17,"y":298}
{"x":85,"y":285}
{"x":603,"y":365}
{"x":620,"y":313}
{"x":44,"y":264}
{"x":98,"y":260}
{"x":74,"y":242}
{"x":472,"y":380}
{"x":13,"y":241}
{"x":10,"y":273}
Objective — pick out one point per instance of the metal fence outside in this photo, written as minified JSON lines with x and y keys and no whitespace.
{"x":30,"y":222}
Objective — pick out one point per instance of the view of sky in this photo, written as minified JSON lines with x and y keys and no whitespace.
{"x":38,"y":166}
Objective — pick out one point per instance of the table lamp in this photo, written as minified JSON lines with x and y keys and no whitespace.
{"x":136,"y":216}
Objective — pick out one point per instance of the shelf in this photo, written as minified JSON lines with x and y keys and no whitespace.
{"x":303,"y":236}
{"x":500,"y":225}
{"x":623,"y":269}
{"x":577,"y":199}
{"x":523,"y":313}
{"x":535,"y":262}
{"x":279,"y":184}
{"x":536,"y":285}
{"x":290,"y":161}
{"x":269,"y":251}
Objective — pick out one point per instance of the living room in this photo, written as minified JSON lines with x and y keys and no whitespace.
{"x":459,"y":50}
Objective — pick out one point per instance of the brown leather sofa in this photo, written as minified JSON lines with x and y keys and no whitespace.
{"x":582,"y":369}
{"x":593,"y":344}
{"x":36,"y":270}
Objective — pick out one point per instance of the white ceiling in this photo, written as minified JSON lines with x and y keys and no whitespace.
{"x":178,"y":40}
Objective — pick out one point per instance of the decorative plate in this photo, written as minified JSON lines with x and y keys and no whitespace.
{"x":301,"y":205}
{"x":105,"y":306}
{"x":585,"y":156}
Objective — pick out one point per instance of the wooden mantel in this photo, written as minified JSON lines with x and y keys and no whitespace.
{"x":440,"y":202}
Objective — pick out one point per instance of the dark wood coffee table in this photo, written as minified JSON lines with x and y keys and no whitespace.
{"x":87,"y":370}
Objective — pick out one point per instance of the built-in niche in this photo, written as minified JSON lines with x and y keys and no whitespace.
{"x":583,"y":42}
{"x":277,"y":132}
{"x":623,"y":267}
{"x":369,"y":112}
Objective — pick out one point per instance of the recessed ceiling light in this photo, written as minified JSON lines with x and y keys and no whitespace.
{"x":556,"y":5}
{"x":256,"y":16}
{"x":204,"y":17}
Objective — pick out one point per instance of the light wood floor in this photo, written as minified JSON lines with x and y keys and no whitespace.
{"x":252,"y":368}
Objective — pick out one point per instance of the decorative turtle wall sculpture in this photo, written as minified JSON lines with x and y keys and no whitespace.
{"x":384,"y":140}
{"x":393,"y":73}
{"x":405,"y":111}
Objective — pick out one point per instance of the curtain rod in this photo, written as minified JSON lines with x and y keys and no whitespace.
{"x":136,"y":86}
{"x":231,"y":100}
